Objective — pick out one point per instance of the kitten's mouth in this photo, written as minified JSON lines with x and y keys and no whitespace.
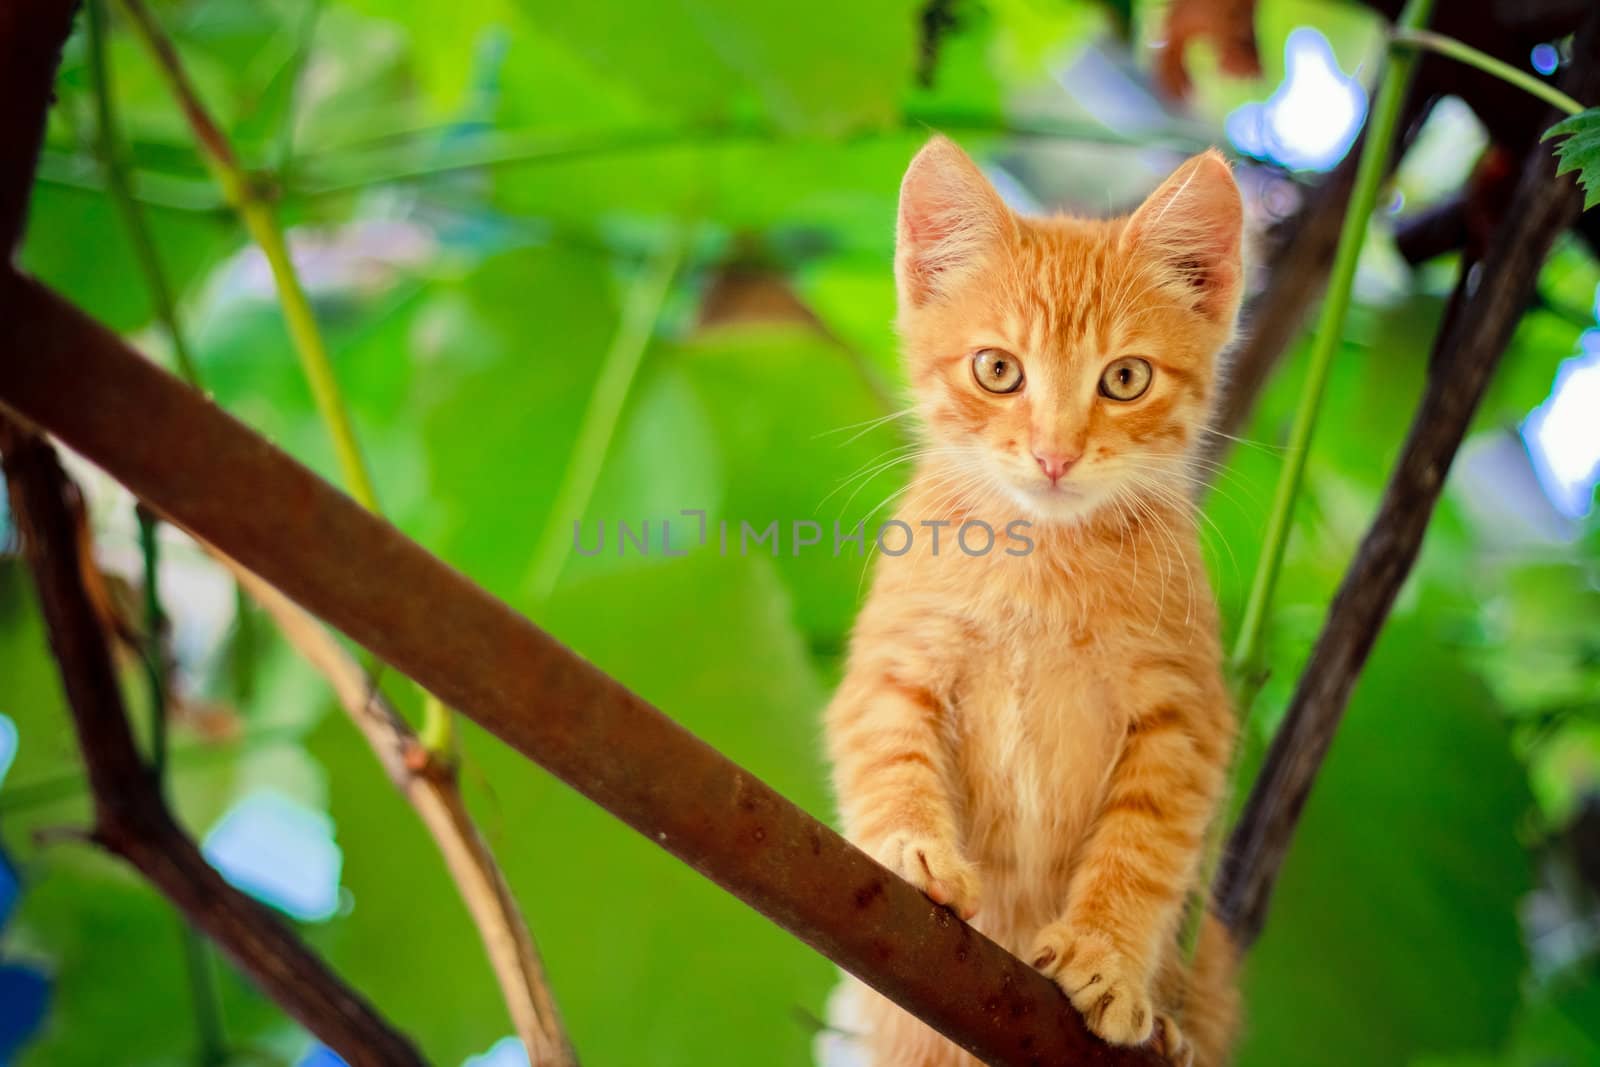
{"x":1056,"y":490}
{"x":1063,"y":501}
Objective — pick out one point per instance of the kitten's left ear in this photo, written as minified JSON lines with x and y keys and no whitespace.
{"x":1193,"y":226}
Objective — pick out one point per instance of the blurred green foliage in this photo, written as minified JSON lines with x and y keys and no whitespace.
{"x":478,"y":186}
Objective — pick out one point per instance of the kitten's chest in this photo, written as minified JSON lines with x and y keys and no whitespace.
{"x":1037,"y":731}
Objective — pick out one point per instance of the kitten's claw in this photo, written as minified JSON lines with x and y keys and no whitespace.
{"x":1109,"y":991}
{"x":935,"y":867}
{"x":1167,"y":1039}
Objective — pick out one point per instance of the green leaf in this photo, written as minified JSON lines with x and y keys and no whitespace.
{"x":76,"y":243}
{"x":636,"y":943}
{"x":1394,"y":933}
{"x":1578,"y":149}
{"x":829,"y":66}
{"x":793,"y":418}
{"x":506,"y":360}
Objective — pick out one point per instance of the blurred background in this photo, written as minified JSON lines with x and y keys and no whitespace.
{"x":667,"y":229}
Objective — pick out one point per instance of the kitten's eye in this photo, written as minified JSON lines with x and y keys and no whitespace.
{"x":997,"y":371}
{"x":1126,"y":378}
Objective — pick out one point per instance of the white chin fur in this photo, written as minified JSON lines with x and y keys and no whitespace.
{"x":1070,"y":504}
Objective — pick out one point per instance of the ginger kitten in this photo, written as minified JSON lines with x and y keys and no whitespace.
{"x":1038,"y":736}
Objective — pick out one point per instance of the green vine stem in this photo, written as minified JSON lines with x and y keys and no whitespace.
{"x":1429,"y":41}
{"x":52,"y":788}
{"x":114,"y":162}
{"x":468,"y":858}
{"x":212,"y":1048}
{"x":154,"y":653}
{"x":211,"y":1042}
{"x":414,"y":153}
{"x":262,"y":225}
{"x":1247,"y":664}
{"x":639,"y":317}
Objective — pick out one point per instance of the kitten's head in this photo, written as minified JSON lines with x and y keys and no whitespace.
{"x":1066,"y":362}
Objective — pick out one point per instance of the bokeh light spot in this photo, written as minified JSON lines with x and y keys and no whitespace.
{"x":1545,"y":58}
{"x":1563,"y":435}
{"x":280,"y":852}
{"x":1312,"y":118}
{"x":8,"y":745}
{"x":507,"y":1052}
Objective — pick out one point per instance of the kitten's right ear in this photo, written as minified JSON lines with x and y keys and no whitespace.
{"x":950,"y":218}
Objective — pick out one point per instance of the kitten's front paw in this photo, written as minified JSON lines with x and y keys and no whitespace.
{"x":1111,"y":993}
{"x":936,"y":867}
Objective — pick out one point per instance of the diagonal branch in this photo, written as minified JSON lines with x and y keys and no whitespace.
{"x":432,"y":788}
{"x":130,"y":818}
{"x":427,"y":781}
{"x":1488,"y":304}
{"x":209,"y":473}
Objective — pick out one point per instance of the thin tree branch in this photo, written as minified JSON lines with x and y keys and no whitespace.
{"x":1462,"y":52}
{"x":432,"y":788}
{"x":426,"y":779}
{"x":419,"y":155}
{"x":131,"y":820}
{"x":211,"y":1045}
{"x":1433,"y":231}
{"x":1506,"y":30}
{"x":258,"y":218}
{"x":48,"y":789}
{"x":210,"y":474}
{"x":114,"y":161}
{"x":70,"y":170}
{"x":1489,"y":302}
{"x":32,"y":33}
{"x":262,"y":223}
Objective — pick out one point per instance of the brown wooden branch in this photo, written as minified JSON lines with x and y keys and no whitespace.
{"x":130,"y":818}
{"x":1490,"y":300}
{"x":1433,"y":231}
{"x":433,"y":789}
{"x":32,"y":33}
{"x":228,"y":486}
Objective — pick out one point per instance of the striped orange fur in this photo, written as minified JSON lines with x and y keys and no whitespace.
{"x":1040,"y":739}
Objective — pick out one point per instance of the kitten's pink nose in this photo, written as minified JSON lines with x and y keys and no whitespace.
{"x":1055,"y":464}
